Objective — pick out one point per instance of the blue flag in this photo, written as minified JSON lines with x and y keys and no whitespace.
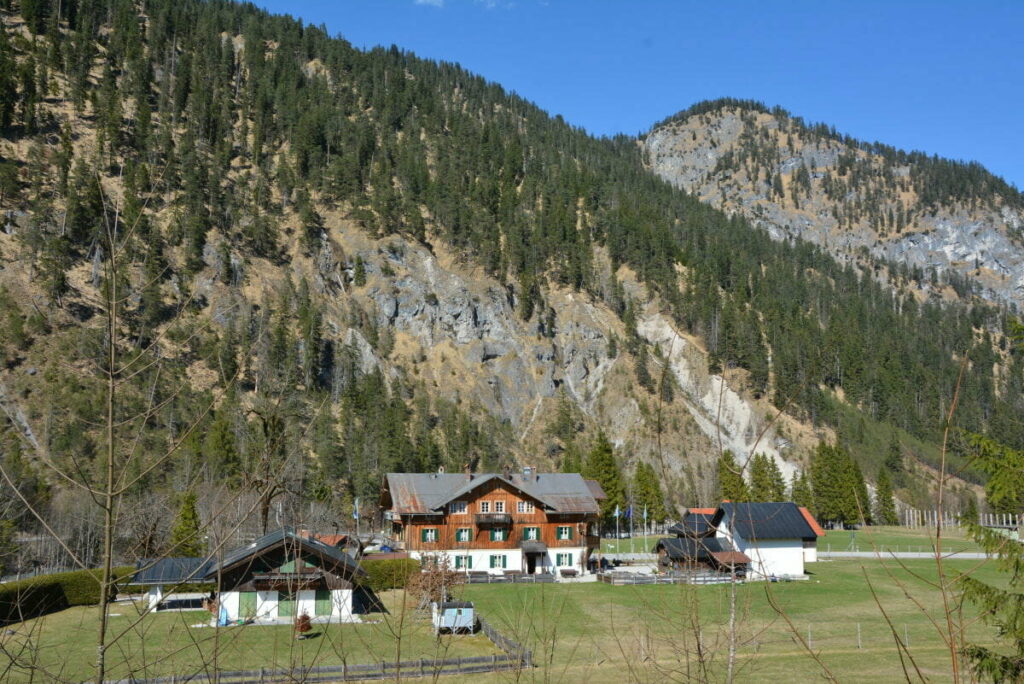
{"x":629,"y":512}
{"x":355,"y":509}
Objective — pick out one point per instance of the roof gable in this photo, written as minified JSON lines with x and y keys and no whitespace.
{"x":428,"y":493}
{"x":334,"y":557}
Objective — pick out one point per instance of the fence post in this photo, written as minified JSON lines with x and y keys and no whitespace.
{"x":262,"y":670}
{"x":859,"y":646}
{"x":810,"y":642}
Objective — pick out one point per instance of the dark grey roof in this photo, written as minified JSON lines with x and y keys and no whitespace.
{"x":690,"y":548}
{"x":170,"y":571}
{"x":693,"y":525}
{"x":428,"y":493}
{"x":455,"y":604}
{"x":533,"y":546}
{"x":267,"y":541}
{"x":776,"y":520}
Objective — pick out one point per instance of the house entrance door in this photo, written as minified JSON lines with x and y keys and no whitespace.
{"x":247,"y":604}
{"x":531,"y":563}
{"x":286,"y":604}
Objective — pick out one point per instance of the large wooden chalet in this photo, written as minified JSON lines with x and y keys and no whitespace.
{"x":525,"y":522}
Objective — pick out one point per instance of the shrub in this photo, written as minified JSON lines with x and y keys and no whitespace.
{"x":388,"y":573}
{"x":38,"y":596}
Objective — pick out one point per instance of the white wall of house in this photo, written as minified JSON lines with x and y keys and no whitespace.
{"x":266,"y":604}
{"x":811,"y":551}
{"x":229,"y":601}
{"x":773,"y":557}
{"x":515,"y":559}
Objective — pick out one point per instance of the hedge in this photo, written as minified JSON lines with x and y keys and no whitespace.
{"x":388,"y":573}
{"x":37,"y":596}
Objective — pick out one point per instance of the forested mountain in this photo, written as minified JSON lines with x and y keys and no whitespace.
{"x":948,"y":227}
{"x":333,"y":263}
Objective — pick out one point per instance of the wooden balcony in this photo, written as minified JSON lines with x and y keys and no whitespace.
{"x":492,"y":519}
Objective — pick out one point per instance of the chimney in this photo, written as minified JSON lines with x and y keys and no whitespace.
{"x":527,"y":472}
{"x":468,"y":470}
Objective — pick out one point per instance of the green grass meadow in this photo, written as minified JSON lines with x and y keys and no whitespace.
{"x":60,"y":647}
{"x":590,"y":632}
{"x":602,"y":633}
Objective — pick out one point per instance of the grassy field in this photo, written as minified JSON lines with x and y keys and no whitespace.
{"x":599,"y":633}
{"x":60,"y":646}
{"x":883,"y":538}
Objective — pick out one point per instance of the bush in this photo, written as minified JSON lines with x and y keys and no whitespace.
{"x":390,"y":573}
{"x":38,"y":596}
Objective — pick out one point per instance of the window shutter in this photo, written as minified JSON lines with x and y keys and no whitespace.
{"x":569,"y":536}
{"x":469,"y":562}
{"x":423,"y":534}
{"x":504,"y":561}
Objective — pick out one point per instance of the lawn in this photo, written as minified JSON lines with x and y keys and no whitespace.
{"x":61,"y":646}
{"x":600,"y":633}
{"x":882,"y":538}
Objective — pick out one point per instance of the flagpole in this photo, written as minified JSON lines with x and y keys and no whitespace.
{"x":630,"y":509}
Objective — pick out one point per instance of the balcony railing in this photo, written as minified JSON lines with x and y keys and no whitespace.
{"x":493,"y":519}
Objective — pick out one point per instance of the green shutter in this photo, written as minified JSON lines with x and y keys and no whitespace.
{"x":323,"y":602}
{"x":285,"y":604}
{"x":247,"y":604}
{"x":469,"y":562}
{"x":569,"y":531}
{"x":423,"y":534}
{"x":504,"y":561}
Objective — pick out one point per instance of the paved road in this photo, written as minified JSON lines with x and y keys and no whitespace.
{"x":959,"y":555}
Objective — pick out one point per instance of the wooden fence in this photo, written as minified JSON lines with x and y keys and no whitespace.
{"x":914,"y":518}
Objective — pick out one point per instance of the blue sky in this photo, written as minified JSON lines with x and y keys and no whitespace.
{"x":943,"y":77}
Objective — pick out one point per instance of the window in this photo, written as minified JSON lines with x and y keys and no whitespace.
{"x":563,"y":532}
{"x":457,"y":507}
{"x":500,"y":534}
{"x":428,"y":534}
{"x":499,"y":561}
{"x":463,"y":562}
{"x":524,"y":507}
{"x":463,"y":534}
{"x":499,"y":506}
{"x":531,"y":533}
{"x":563,"y":560}
{"x":485,"y":506}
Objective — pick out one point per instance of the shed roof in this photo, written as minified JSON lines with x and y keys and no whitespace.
{"x":455,"y":604}
{"x":700,"y":549}
{"x":181,"y":570}
{"x":695,"y":524}
{"x":772,"y":520}
{"x":428,"y":493}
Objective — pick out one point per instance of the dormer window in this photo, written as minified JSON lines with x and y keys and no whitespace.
{"x":457,"y":507}
{"x":524,"y":507}
{"x":485,"y":506}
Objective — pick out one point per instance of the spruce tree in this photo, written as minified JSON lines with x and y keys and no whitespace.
{"x":800,"y":491}
{"x":731,"y":485}
{"x":766,"y":482}
{"x":647,"y":494}
{"x":186,"y":539}
{"x":601,"y":466}
{"x":1000,"y":605}
{"x":885,"y":504}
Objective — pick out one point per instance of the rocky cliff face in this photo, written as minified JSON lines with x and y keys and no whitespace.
{"x":797,"y":182}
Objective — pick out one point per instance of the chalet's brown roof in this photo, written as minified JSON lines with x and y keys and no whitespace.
{"x":730,"y":557}
{"x":429,"y":493}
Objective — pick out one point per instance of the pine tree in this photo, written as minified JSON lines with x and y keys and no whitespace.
{"x":186,"y":538}
{"x":1002,"y":605}
{"x":766,"y":482}
{"x":601,"y":466}
{"x":731,"y":485}
{"x":885,"y":504}
{"x":647,"y":494}
{"x":800,"y":491}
